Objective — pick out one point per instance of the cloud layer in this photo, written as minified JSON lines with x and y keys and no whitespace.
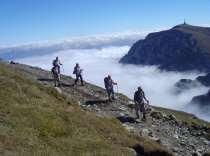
{"x":97,"y":63}
{"x":85,"y":42}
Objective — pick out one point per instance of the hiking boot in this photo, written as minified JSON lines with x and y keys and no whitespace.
{"x":137,"y":117}
{"x":143,"y":119}
{"x":113,"y":98}
{"x":110,"y":100}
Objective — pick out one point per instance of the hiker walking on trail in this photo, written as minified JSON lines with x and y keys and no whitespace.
{"x":57,"y":63}
{"x":109,"y":85}
{"x":56,"y":76}
{"x":78,"y":72}
{"x":139,"y":98}
{"x":56,"y":71}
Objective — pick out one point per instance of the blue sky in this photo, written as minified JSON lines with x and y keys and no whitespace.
{"x":35,"y":20}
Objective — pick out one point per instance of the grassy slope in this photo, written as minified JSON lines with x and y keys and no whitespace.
{"x":36,"y":120}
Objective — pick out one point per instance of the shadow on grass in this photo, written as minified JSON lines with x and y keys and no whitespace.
{"x":52,"y":80}
{"x":125,"y":119}
{"x":96,"y":102}
{"x":46,"y":80}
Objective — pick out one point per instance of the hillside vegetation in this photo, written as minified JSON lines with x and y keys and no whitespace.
{"x":200,"y":34}
{"x":37,"y":120}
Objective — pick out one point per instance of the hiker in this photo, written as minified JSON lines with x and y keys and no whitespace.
{"x":56,"y":76}
{"x":78,"y":72}
{"x":109,"y":85}
{"x":139,"y":98}
{"x":57,"y":63}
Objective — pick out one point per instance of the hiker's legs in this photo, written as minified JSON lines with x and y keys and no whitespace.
{"x":54,"y":79}
{"x":137,"y":110}
{"x":108,"y":93}
{"x":59,"y":70}
{"x":59,"y":79}
{"x":143,"y":110}
{"x":112,"y":94}
{"x":81,"y":79}
{"x":55,"y":82}
{"x":77,"y":78}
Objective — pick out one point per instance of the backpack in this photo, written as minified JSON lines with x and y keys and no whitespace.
{"x":55,"y":63}
{"x":54,"y":70}
{"x":138,"y":96}
{"x":75,"y":70}
{"x":106,"y":82}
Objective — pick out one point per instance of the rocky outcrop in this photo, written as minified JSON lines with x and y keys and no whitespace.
{"x":204,"y":80}
{"x":185,"y":84}
{"x":202,"y":100}
{"x":182,"y":48}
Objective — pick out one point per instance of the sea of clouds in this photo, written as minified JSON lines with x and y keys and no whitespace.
{"x":99,"y":61}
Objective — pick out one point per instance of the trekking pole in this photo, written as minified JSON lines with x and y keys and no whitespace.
{"x":62,"y":68}
{"x":117,"y":89}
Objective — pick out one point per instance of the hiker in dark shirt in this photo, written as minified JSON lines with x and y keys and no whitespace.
{"x":78,"y":72}
{"x":139,"y":98}
{"x":109,"y":85}
{"x":56,"y":63}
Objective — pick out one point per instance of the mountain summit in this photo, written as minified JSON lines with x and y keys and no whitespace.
{"x":181,"y":48}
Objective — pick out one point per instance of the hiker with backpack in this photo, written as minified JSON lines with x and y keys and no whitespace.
{"x":56,"y":71}
{"x":139,"y":98}
{"x":109,"y":85}
{"x":56,"y":76}
{"x":78,"y":72}
{"x":57,"y":63}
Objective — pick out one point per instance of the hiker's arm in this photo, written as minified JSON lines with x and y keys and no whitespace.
{"x":114,"y":83}
{"x":145,"y":98}
{"x":134,"y":98}
{"x":59,"y":62}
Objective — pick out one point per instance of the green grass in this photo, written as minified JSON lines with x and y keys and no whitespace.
{"x":37,"y":120}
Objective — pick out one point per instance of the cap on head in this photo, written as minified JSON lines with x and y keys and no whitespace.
{"x":77,"y":64}
{"x":139,"y":88}
{"x":109,"y":76}
{"x":57,"y":58}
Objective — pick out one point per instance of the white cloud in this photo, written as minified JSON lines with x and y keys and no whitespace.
{"x":84,"y":42}
{"x":97,"y":63}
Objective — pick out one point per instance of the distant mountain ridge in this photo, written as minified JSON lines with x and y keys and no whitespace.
{"x":181,"y":48}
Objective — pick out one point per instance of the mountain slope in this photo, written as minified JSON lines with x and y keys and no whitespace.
{"x":38,"y":120}
{"x":184,"y":47}
{"x":52,"y":122}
